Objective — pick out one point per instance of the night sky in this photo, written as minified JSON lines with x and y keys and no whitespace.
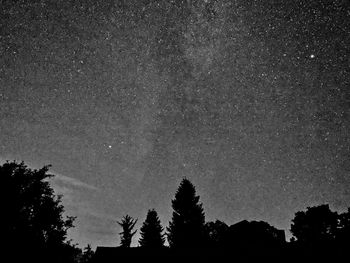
{"x":250,"y":100}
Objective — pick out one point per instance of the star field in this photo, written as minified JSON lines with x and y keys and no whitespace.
{"x":248,"y":99}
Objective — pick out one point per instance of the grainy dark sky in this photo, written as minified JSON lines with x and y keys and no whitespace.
{"x":248,"y":99}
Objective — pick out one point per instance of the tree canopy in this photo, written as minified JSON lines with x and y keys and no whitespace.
{"x":215,"y":232}
{"x":317,"y":225}
{"x":86,"y":255}
{"x":33,"y":217}
{"x":343,"y":233}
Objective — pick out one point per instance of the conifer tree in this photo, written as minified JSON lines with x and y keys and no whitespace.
{"x":152,"y":231}
{"x":186,"y":228}
{"x":127,"y":223}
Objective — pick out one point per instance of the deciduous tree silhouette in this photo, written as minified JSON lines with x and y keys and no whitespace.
{"x":186,"y":228}
{"x":253,"y":236}
{"x":215,"y":232}
{"x":343,"y":233}
{"x":32,"y":215}
{"x":86,"y":255}
{"x":152,"y":231}
{"x":317,"y":226}
{"x":128,"y":224}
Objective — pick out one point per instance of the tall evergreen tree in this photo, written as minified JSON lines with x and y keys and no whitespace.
{"x":186,"y":228}
{"x":152,"y":231}
{"x":127,"y":223}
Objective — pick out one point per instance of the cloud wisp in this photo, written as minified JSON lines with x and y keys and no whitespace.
{"x":63,"y":179}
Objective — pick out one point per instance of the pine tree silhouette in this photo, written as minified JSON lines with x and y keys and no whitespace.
{"x":187,"y":226}
{"x":127,"y":223}
{"x":151,"y":231}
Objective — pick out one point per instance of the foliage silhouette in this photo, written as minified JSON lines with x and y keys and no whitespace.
{"x":186,"y":228}
{"x":86,"y":255}
{"x":253,"y":236}
{"x":69,"y":253}
{"x":152,"y":231}
{"x":33,"y":216}
{"x":343,"y":233}
{"x":317,"y":226}
{"x":127,"y":223}
{"x":215,"y":232}
{"x":33,"y":223}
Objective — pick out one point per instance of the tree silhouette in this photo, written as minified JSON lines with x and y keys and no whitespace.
{"x":151,"y":231}
{"x":86,"y":255}
{"x":127,"y":223}
{"x":254,"y":235}
{"x":315,"y":227}
{"x":32,"y":215}
{"x":187,"y":226}
{"x":343,"y":232}
{"x":215,"y":232}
